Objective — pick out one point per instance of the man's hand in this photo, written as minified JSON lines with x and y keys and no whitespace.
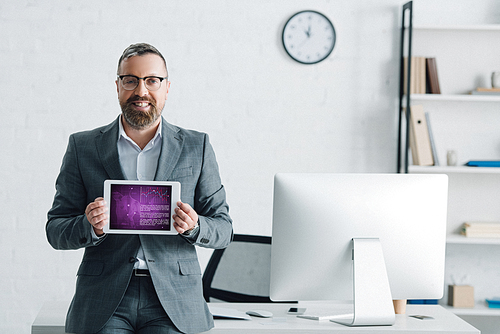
{"x":97,"y":216}
{"x":185,"y":218}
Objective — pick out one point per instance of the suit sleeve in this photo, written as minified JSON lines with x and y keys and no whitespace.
{"x":216,"y":229}
{"x":67,"y":226}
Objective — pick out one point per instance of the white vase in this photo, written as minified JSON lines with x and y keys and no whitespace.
{"x":495,"y":79}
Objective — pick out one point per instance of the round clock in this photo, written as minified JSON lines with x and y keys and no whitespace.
{"x":309,"y":37}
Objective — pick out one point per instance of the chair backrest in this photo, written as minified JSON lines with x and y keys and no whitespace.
{"x":241,"y":272}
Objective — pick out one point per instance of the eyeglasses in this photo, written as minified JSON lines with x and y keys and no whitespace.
{"x":130,"y":82}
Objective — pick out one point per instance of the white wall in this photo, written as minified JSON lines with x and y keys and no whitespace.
{"x":230,"y":78}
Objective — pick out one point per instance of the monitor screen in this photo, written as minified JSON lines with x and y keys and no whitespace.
{"x":316,"y":217}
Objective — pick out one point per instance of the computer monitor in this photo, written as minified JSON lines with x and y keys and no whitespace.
{"x":366,"y":238}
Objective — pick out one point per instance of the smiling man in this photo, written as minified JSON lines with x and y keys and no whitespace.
{"x":130,"y":283}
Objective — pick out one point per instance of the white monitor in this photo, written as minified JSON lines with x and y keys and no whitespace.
{"x":396,"y":224}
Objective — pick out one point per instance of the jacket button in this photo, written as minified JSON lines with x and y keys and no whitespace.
{"x":132,"y":260}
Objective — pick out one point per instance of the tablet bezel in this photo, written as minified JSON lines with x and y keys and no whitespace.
{"x":175,"y":196}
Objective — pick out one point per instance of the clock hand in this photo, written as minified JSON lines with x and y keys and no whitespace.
{"x":308,"y":32}
{"x":303,"y":42}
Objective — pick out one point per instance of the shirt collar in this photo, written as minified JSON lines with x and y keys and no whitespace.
{"x":123,"y":134}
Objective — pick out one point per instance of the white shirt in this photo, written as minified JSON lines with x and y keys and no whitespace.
{"x":139,"y":165}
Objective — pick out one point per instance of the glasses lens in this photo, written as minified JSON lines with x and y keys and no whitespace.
{"x":153,"y":83}
{"x":129,"y":83}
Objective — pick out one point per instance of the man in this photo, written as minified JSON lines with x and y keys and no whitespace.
{"x":139,"y":283}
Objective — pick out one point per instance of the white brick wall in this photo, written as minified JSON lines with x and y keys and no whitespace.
{"x":230,"y":78}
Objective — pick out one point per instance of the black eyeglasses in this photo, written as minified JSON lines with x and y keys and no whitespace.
{"x":130,"y":82}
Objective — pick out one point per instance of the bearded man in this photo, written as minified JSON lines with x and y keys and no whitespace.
{"x":139,"y":283}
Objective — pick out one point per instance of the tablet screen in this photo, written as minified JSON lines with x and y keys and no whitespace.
{"x":140,"y":207}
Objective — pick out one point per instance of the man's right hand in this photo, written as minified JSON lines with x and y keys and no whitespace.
{"x":97,"y":215}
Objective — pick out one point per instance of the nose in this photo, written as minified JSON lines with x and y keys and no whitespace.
{"x":141,"y":89}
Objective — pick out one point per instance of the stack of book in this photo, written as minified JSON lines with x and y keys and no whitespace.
{"x":481,"y":230}
{"x":423,"y":76}
{"x":486,"y":91}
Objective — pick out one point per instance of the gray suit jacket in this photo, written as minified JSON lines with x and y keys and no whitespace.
{"x":106,"y":268}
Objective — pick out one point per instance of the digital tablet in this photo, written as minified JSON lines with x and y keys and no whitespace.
{"x":141,"y":207}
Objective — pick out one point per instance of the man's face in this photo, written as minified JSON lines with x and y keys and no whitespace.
{"x":141,"y":107}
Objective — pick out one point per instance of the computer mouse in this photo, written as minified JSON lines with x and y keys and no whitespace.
{"x":260,"y":313}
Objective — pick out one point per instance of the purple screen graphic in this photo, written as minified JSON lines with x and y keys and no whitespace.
{"x":140,"y":207}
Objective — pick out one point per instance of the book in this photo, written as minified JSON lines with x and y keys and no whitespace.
{"x":490,"y":90}
{"x":432,"y":77}
{"x":417,"y":75}
{"x":482,"y":226}
{"x":431,"y":138}
{"x":493,"y":302}
{"x":481,"y":229}
{"x":483,"y":163}
{"x":421,"y":75}
{"x":479,"y":234}
{"x":420,"y":143}
{"x":486,"y":91}
{"x":423,"y":301}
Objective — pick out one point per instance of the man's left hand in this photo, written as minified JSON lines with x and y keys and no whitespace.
{"x":185,"y":218}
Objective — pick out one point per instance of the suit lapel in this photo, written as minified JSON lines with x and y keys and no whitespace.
{"x":108,"y":151}
{"x":171,"y":148}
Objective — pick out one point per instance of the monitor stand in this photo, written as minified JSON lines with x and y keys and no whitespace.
{"x":372,"y":294}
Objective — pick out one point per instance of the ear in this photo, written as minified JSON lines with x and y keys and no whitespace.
{"x":167,"y":90}
{"x":117,"y":87}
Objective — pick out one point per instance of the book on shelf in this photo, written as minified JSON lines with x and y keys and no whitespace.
{"x":486,"y":91}
{"x":432,"y":86}
{"x":423,"y":301}
{"x":423,"y":76}
{"x":420,"y":143}
{"x":483,"y":163}
{"x":493,"y":302}
{"x":417,"y":75}
{"x":481,"y":229}
{"x":431,"y":138}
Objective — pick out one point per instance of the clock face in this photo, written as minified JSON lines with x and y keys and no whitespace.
{"x":309,"y":37}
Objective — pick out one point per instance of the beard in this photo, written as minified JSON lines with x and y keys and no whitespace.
{"x":139,"y":119}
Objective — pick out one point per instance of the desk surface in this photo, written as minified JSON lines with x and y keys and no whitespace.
{"x":52,"y":316}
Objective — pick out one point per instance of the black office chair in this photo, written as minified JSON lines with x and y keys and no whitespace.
{"x":241,"y":272}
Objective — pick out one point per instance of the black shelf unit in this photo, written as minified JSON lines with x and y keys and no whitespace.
{"x":402,"y":166}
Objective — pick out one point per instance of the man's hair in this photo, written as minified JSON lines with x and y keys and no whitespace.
{"x":139,"y":49}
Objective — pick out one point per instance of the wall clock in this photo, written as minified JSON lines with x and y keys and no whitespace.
{"x":309,"y":37}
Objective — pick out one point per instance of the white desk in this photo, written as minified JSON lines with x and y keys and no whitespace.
{"x":51,"y":319}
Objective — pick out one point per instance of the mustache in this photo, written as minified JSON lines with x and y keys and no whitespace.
{"x":135,"y":99}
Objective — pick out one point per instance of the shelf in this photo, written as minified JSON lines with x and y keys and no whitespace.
{"x":455,"y":97}
{"x":460,"y":239}
{"x":474,"y":121}
{"x":453,"y":170}
{"x":480,"y":309}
